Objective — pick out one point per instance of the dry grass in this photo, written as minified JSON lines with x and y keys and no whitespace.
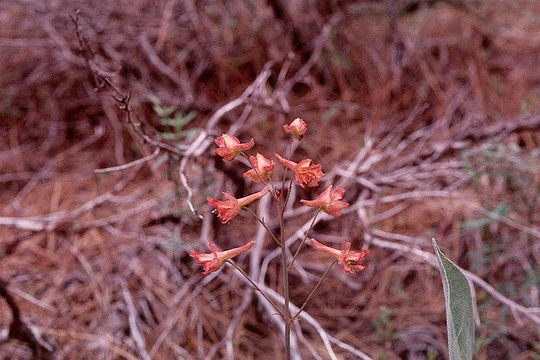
{"x":427,"y":112}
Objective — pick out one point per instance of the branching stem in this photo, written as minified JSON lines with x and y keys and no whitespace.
{"x":255,"y":286}
{"x":304,"y":239}
{"x":314,"y":289}
{"x":261,"y":221}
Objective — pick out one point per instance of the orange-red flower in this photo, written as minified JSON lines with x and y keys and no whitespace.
{"x":305,"y":173}
{"x":350,"y":260}
{"x":213,"y":261}
{"x":230,"y":147}
{"x":263,"y":166}
{"x":228,"y":209}
{"x":329,"y":202}
{"x":297,"y":128}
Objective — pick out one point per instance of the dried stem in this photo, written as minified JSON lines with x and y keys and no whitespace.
{"x":18,"y":330}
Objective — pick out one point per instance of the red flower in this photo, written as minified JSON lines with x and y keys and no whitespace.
{"x":297,"y":128}
{"x":305,"y":173}
{"x":228,"y":209}
{"x":213,"y":261}
{"x":329,"y":202}
{"x":350,"y":260}
{"x":230,"y":147}
{"x":263,"y":166}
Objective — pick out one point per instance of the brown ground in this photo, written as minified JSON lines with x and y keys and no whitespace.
{"x":425,"y":111}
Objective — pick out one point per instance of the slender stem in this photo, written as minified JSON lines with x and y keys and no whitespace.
{"x":284,"y":265}
{"x":304,"y":239}
{"x":255,"y":286}
{"x":263,"y":224}
{"x":286,"y":168}
{"x":287,"y":313}
{"x":314,"y":289}
{"x":289,"y":190}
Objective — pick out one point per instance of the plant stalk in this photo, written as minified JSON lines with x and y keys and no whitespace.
{"x":304,"y":239}
{"x":284,"y":266}
{"x":261,"y":221}
{"x":254,"y":285}
{"x":314,"y":289}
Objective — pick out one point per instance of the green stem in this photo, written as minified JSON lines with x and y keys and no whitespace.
{"x":261,"y":221}
{"x":304,"y":239}
{"x":314,"y":289}
{"x":255,"y":286}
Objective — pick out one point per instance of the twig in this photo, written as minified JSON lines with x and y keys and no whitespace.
{"x":102,"y":80}
{"x":178,"y":307}
{"x":97,"y":341}
{"x":200,"y":144}
{"x":18,"y":330}
{"x":32,"y":299}
{"x":505,"y":127}
{"x":132,"y":318}
{"x":530,"y":312}
{"x":52,"y":221}
{"x":419,"y":194}
{"x":47,"y":168}
{"x":315,"y":55}
{"x":248,"y":297}
{"x":130,"y":164}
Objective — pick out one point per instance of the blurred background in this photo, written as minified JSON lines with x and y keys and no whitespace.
{"x":426,"y":112}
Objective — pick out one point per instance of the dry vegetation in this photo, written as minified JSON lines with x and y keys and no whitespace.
{"x":426,"y":111}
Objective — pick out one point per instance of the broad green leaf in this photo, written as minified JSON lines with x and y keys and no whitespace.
{"x":459,"y":308}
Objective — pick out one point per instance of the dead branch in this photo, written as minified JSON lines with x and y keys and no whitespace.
{"x":19,"y":330}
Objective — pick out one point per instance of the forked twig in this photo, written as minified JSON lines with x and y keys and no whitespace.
{"x":19,"y":330}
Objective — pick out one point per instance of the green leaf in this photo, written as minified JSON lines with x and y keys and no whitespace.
{"x":459,"y":308}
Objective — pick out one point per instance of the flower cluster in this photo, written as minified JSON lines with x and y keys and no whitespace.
{"x":306,"y":174}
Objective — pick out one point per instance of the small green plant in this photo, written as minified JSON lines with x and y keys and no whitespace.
{"x":383,"y":324}
{"x":175,"y":120}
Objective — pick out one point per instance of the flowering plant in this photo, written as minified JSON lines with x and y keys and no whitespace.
{"x":306,"y":175}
